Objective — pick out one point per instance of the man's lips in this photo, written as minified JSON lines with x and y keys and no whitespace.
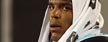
{"x":54,"y":27}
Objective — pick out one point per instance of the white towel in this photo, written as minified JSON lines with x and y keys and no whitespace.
{"x":82,"y":13}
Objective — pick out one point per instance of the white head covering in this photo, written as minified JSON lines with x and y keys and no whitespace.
{"x":83,"y":13}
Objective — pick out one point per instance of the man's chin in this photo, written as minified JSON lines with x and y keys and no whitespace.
{"x":55,"y":37}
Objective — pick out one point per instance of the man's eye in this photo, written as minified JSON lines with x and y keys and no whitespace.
{"x":51,"y":7}
{"x":66,"y":8}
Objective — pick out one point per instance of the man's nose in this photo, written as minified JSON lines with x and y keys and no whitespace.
{"x":56,"y":14}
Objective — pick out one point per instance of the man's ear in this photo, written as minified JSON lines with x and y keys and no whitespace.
{"x":96,"y":39}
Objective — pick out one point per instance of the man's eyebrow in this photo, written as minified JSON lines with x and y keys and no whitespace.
{"x":68,"y":0}
{"x":50,"y":3}
{"x":66,"y":4}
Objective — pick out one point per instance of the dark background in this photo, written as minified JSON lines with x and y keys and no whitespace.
{"x":27,"y":19}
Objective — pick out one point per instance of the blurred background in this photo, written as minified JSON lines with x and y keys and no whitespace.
{"x":104,"y":12}
{"x":21,"y":20}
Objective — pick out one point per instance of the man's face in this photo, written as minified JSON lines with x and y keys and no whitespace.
{"x":60,"y":17}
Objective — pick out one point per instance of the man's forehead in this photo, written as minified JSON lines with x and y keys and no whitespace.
{"x":61,"y":0}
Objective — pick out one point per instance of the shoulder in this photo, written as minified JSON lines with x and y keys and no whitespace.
{"x":94,"y":38}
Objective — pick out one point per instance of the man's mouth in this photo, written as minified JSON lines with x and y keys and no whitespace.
{"x":54,"y":27}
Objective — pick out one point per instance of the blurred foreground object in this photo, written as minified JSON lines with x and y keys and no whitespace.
{"x":6,"y":21}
